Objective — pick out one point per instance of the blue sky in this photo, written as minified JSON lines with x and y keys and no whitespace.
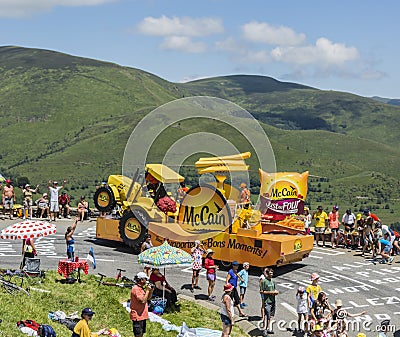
{"x":339,"y":45}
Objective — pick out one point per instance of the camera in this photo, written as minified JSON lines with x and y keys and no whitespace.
{"x":150,"y":284}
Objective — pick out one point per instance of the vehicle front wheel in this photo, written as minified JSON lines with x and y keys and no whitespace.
{"x":132,"y":231}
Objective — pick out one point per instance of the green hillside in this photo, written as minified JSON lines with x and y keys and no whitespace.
{"x":69,"y":117}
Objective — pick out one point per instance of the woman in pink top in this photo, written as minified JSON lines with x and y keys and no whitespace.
{"x":333,"y":218}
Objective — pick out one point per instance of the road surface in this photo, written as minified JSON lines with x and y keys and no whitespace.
{"x":359,"y":283}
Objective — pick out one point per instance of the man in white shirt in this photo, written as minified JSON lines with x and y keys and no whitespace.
{"x":53,"y":189}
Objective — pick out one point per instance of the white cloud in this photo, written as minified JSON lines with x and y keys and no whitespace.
{"x":184,"y":26}
{"x":182,"y":43}
{"x":264,"y":32}
{"x":24,"y":8}
{"x":324,"y":52}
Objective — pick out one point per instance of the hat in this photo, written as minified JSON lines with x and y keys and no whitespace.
{"x":319,"y":207}
{"x":27,"y":185}
{"x":336,"y":207}
{"x":8,"y":181}
{"x":45,"y":194}
{"x":246,"y":264}
{"x":197,"y":242}
{"x":228,"y":287}
{"x":82,"y":197}
{"x":338,"y":303}
{"x":366,"y":211}
{"x":209,"y":251}
{"x":87,"y":311}
{"x":359,"y":216}
{"x":306,"y":209}
{"x":235,"y":263}
{"x":243,"y":185}
{"x":141,"y":275}
{"x":301,"y":289}
{"x":314,"y":276}
{"x":63,"y":192}
{"x":55,"y":182}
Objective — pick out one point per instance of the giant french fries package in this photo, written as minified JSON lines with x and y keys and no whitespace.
{"x":282,"y":194}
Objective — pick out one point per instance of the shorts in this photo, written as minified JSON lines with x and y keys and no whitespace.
{"x":387,"y":249}
{"x":235,"y":296}
{"x":269,"y":309}
{"x":8,"y":203}
{"x":211,"y":277}
{"x":54,"y":206}
{"x":139,"y":327}
{"x":226,"y":320}
{"x":367,"y":237}
{"x":242,"y":290}
{"x":319,"y":230}
{"x":349,"y":228}
{"x":334,"y":232}
{"x":27,"y":203}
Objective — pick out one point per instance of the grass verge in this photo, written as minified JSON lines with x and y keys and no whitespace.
{"x":104,"y":300}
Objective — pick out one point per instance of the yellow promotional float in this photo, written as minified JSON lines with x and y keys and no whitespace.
{"x":272,"y":235}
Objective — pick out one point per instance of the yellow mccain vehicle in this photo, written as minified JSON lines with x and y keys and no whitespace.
{"x":211,"y":213}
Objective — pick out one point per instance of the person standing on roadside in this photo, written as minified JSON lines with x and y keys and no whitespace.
{"x":147,"y":244}
{"x":270,"y":293}
{"x":227,"y":312}
{"x":244,"y":280}
{"x":334,"y":225}
{"x":28,"y":250}
{"x":69,"y":240}
{"x":307,"y":220}
{"x":8,"y":199}
{"x":233,"y":278}
{"x":54,"y":188}
{"x":349,"y":222}
{"x":140,"y":294}
{"x":197,"y":254}
{"x":313,"y":289}
{"x":321,"y":221}
{"x":211,"y":271}
{"x":27,"y":192}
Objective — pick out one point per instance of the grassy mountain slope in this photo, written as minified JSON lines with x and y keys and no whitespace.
{"x":292,"y":106}
{"x":69,"y":117}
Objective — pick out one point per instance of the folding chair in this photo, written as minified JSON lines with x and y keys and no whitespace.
{"x":32,"y":267}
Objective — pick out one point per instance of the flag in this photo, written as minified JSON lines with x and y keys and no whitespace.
{"x":91,"y":258}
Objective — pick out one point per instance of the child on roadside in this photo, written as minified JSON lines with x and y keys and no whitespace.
{"x":313,"y":289}
{"x":302,"y":308}
{"x":244,"y":279}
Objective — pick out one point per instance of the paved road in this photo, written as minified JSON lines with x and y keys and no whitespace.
{"x":360,"y":284}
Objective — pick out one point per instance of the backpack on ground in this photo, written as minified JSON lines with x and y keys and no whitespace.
{"x":46,"y":331}
{"x":29,"y":323}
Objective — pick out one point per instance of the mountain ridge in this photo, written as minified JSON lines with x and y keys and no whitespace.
{"x":69,"y":117}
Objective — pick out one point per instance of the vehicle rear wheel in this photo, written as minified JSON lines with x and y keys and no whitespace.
{"x":133,"y":231}
{"x":104,"y":199}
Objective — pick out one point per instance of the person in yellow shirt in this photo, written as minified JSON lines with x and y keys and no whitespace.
{"x":321,"y":221}
{"x":82,"y":327}
{"x":313,"y":289}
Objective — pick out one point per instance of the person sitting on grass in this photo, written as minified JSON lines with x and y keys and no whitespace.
{"x":162,"y":286}
{"x":82,"y":327}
